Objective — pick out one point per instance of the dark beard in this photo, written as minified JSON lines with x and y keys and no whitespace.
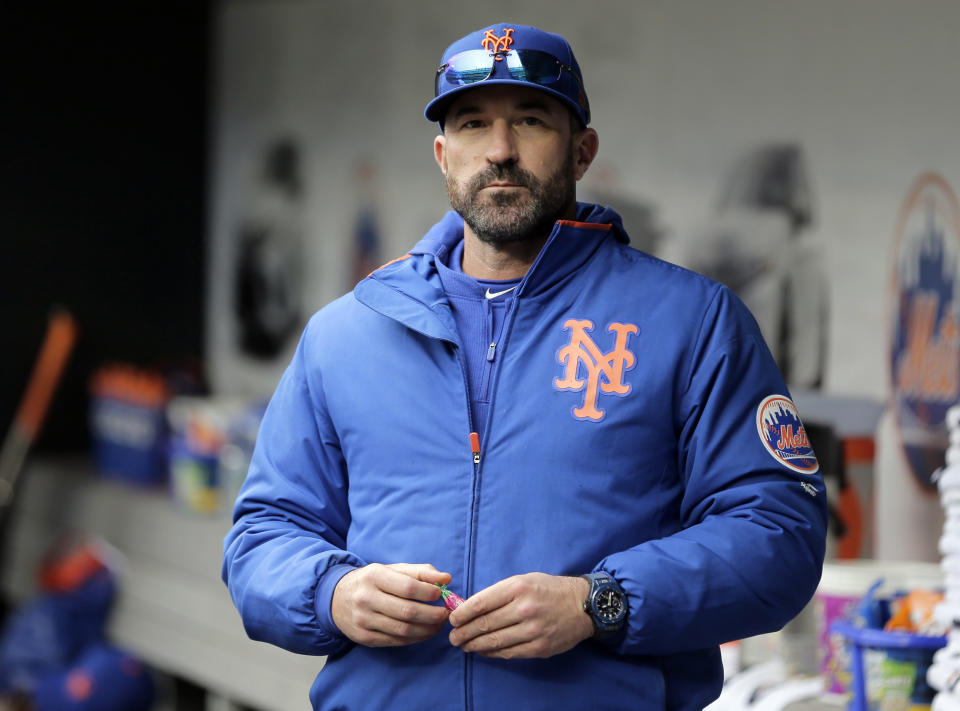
{"x":514,"y":216}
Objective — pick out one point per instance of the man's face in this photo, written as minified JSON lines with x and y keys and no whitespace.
{"x":508,"y":157}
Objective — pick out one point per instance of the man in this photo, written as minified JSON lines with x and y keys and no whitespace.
{"x":519,"y":401}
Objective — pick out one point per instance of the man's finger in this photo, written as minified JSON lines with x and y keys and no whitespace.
{"x":486,"y":644}
{"x":423,"y":572}
{"x":525,"y":650}
{"x":382,"y":631}
{"x":407,"y":581}
{"x":485,"y":624}
{"x":487,"y":600}
{"x":409,"y":611}
{"x":405,"y":630}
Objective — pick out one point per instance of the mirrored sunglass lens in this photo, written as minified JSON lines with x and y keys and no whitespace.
{"x":468,"y":67}
{"x":533,"y":66}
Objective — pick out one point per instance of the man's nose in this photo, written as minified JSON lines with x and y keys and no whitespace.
{"x":502,"y":147}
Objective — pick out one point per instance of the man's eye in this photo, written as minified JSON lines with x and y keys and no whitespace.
{"x":531,"y":121}
{"x":472,"y":123}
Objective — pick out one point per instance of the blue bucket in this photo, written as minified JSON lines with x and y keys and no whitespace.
{"x":889,"y":668}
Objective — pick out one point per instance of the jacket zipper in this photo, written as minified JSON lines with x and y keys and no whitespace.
{"x":474,"y":442}
{"x":495,"y":340}
{"x":476,"y":451}
{"x":494,"y":351}
{"x":475,"y":448}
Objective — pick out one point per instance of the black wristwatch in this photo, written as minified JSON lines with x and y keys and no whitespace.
{"x":606,"y":604}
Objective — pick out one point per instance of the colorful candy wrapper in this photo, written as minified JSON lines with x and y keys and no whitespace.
{"x":450,"y":599}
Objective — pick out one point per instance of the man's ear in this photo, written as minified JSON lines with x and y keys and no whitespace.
{"x":585,"y":147}
{"x":440,"y":152}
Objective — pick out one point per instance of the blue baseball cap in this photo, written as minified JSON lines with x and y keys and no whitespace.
{"x":509,"y":54}
{"x":102,"y":678}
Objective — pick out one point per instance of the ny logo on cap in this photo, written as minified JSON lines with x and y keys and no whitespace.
{"x":492,"y":43}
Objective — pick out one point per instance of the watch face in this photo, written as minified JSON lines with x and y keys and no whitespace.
{"x":609,"y":605}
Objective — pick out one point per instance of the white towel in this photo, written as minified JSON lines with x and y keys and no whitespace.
{"x":948,"y":545}
{"x":953,"y":417}
{"x":949,"y":476}
{"x":944,"y":675}
{"x":945,"y":701}
{"x":950,"y":564}
{"x":948,"y":656}
{"x":947,"y":613}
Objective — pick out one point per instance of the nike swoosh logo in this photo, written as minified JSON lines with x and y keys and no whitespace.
{"x":495,"y":294}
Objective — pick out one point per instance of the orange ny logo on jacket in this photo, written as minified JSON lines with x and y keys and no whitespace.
{"x":604,"y":370}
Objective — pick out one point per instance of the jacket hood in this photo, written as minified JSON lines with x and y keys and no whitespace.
{"x":603,"y":214}
{"x":448,"y":232}
{"x":426,"y":309}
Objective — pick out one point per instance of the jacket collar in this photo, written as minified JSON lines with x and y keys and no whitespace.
{"x":426,"y":309}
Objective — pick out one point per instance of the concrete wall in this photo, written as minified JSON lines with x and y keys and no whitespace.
{"x":679,"y":90}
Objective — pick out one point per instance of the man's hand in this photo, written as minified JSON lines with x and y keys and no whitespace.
{"x":384,"y":605}
{"x":527,"y":616}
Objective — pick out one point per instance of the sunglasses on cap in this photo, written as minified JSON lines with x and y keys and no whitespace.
{"x":526,"y":65}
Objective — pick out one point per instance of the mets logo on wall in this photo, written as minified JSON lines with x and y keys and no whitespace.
{"x":588,"y":369}
{"x":925,"y":336}
{"x":783,"y":434}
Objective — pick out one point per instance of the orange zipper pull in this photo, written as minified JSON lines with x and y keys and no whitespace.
{"x":475,"y":447}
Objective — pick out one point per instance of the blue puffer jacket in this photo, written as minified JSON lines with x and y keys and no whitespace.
{"x":637,"y":425}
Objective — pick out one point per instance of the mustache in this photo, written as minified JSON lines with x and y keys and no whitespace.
{"x":509,"y":172}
